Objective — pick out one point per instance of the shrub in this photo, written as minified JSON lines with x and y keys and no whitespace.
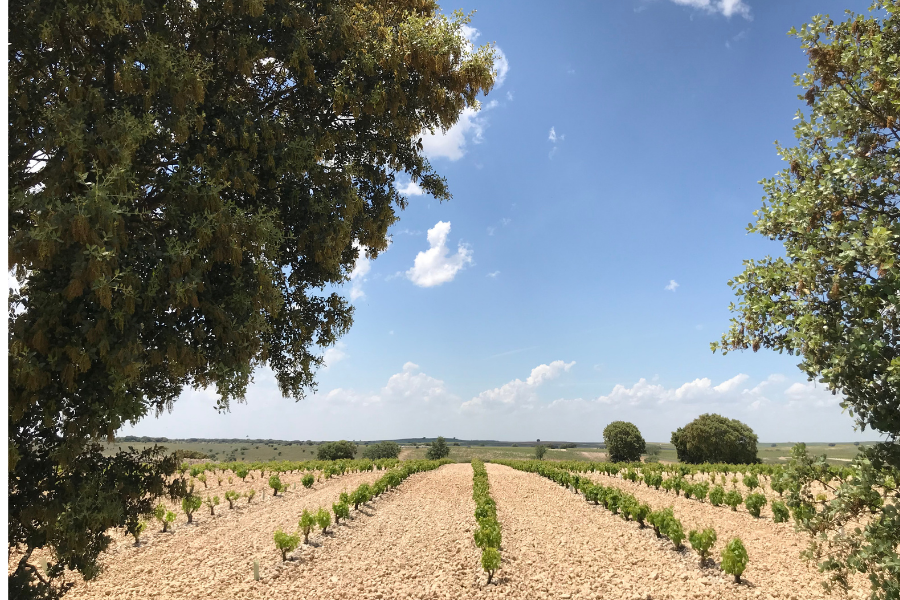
{"x":754,"y":503}
{"x":202,"y":479}
{"x":336,"y":450}
{"x":733,"y":498}
{"x":539,"y":451}
{"x":624,"y":442}
{"x":286,"y":542}
{"x":189,"y":504}
{"x":488,"y":534}
{"x":308,"y":480}
{"x":275,"y":484}
{"x":136,"y":531}
{"x":361,"y":495}
{"x":657,"y":520}
{"x":778,"y":484}
{"x":717,"y":495}
{"x":712,"y":438}
{"x":780,"y":512}
{"x":307,"y":522}
{"x":640,"y":512}
{"x":674,"y":531}
{"x":700,"y":490}
{"x":751,"y":481}
{"x":250,"y":495}
{"x":344,"y":498}
{"x":438,"y":449}
{"x":735,"y":559}
{"x":688,"y":490}
{"x":231,"y":496}
{"x":159,"y":513}
{"x":212,"y":503}
{"x":242,"y":472}
{"x":323,"y":519}
{"x":341,"y":511}
{"x":702,"y":541}
{"x":382,"y":450}
{"x":490,"y":561}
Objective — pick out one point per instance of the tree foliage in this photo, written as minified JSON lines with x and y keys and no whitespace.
{"x":382,"y":450}
{"x":624,"y":442}
{"x":438,"y":449}
{"x":336,"y":450}
{"x":834,"y":297}
{"x":712,"y":438}
{"x":186,"y":178}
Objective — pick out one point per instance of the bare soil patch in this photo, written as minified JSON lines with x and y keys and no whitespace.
{"x":776,"y":569}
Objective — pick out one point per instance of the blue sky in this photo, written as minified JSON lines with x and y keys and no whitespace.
{"x":578,"y":275}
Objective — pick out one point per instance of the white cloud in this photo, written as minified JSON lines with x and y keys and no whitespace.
{"x":409,"y":387}
{"x":509,"y":96}
{"x":808,"y":394}
{"x":727,"y":8}
{"x":452,"y":143}
{"x":410,"y":189}
{"x":672,"y":286}
{"x":334,"y":355}
{"x":501,"y":63}
{"x":436,"y":265}
{"x":554,"y":138}
{"x":491,"y":230}
{"x":359,"y":273}
{"x":493,"y":275}
{"x":517,"y":393}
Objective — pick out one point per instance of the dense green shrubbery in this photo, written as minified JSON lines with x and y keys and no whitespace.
{"x":336,"y":450}
{"x":733,"y":498}
{"x":754,"y":504}
{"x":488,"y":536}
{"x":717,"y":495}
{"x":308,"y":480}
{"x":382,"y":450}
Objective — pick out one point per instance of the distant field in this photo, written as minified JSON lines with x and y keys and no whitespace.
{"x":250,"y":452}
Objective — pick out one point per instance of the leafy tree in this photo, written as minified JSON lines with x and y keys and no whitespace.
{"x":712,"y":438}
{"x":336,"y":450}
{"x":539,"y":451}
{"x":624,"y":442}
{"x":834,"y":296}
{"x":735,"y":559}
{"x":286,"y":542}
{"x":382,"y":450}
{"x":185,"y":179}
{"x":702,"y":541}
{"x":438,"y":449}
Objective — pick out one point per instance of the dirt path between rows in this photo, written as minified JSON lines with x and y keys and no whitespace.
{"x":776,"y":567}
{"x":556,"y":545}
{"x":417,"y":544}
{"x":205,"y":560}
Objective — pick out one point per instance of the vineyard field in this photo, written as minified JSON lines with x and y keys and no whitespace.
{"x":418,"y":539}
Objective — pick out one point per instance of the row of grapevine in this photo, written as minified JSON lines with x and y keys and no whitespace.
{"x":328,"y":468}
{"x":488,"y":536}
{"x":664,"y":521}
{"x":288,"y":542}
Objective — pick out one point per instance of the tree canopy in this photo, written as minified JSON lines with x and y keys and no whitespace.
{"x":336,"y":450}
{"x":624,"y":442}
{"x":715,"y":439}
{"x":186,"y":179}
{"x":438,"y":449}
{"x":834,"y":297}
{"x":382,"y":450}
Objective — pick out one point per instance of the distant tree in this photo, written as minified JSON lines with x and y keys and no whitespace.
{"x":438,"y":449}
{"x":540,"y":451}
{"x":653,"y":450}
{"x":336,"y":450}
{"x":715,"y":439}
{"x":382,"y":450}
{"x":624,"y":442}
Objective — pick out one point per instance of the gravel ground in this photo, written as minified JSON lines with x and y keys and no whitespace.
{"x":556,"y":545}
{"x":203,"y":560}
{"x":775,"y":568}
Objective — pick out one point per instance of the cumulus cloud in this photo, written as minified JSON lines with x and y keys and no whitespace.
{"x":436,"y":265}
{"x":672,"y":285}
{"x":517,"y":393}
{"x":452,"y":144}
{"x":410,"y":387}
{"x":334,"y":355}
{"x":809,"y":394}
{"x":501,"y":63}
{"x":410,"y":189}
{"x":727,"y":8}
{"x":359,"y":273}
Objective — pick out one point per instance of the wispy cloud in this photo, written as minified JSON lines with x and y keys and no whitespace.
{"x":436,"y":265}
{"x":493,"y":275}
{"x":554,"y":139}
{"x":727,"y":8}
{"x":672,"y":285}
